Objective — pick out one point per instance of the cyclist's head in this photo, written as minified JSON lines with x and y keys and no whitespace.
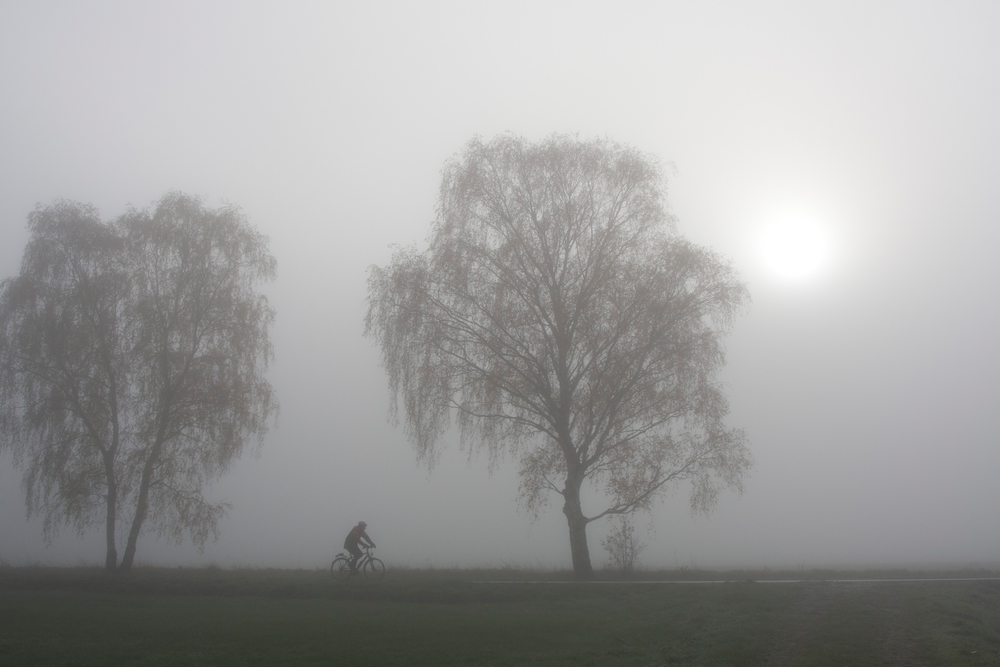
{"x":362,"y":524}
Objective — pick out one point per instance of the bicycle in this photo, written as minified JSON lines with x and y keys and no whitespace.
{"x":373,"y":568}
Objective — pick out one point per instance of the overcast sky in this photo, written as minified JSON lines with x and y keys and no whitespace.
{"x":870,"y":390}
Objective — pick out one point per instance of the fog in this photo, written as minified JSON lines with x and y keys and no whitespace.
{"x":869,"y":391}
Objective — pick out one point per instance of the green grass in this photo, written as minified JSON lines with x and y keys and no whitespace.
{"x":158,"y":616}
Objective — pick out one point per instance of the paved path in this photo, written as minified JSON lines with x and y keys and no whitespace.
{"x":733,"y":581}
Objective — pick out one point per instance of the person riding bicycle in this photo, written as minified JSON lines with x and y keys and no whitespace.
{"x":357,"y":535}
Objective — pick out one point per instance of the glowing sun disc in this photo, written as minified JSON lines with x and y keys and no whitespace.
{"x":794,"y":249}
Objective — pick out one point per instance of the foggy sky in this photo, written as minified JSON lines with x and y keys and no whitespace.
{"x":870,"y":394}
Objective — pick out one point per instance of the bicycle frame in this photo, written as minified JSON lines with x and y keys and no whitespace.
{"x":362,"y":561}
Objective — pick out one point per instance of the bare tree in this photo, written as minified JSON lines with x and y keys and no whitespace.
{"x":559,"y":315}
{"x":163,"y":383}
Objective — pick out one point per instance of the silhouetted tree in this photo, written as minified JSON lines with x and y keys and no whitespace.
{"x":561,"y":317}
{"x":132,"y":359}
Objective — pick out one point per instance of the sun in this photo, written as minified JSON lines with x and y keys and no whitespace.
{"x":795,"y":248}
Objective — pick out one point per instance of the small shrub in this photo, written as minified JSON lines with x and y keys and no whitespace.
{"x":623,"y":546}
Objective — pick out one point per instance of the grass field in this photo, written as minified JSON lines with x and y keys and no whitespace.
{"x":160,"y":616}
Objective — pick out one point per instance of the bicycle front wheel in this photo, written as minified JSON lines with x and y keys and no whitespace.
{"x":340,"y":569}
{"x":374,"y":569}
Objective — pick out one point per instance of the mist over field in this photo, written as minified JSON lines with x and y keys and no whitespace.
{"x":866,"y":380}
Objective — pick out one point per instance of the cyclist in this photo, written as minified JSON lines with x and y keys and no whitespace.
{"x":357,"y":535}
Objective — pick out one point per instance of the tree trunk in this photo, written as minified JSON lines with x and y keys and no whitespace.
{"x":582,"y":568}
{"x":142,"y":504}
{"x":133,"y":533}
{"x":111,"y":560}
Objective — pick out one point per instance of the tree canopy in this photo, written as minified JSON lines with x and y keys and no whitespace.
{"x":557,"y":313}
{"x":132,"y":360}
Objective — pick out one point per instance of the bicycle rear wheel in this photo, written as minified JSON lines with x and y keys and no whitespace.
{"x":340,"y":569}
{"x":374,"y":569}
